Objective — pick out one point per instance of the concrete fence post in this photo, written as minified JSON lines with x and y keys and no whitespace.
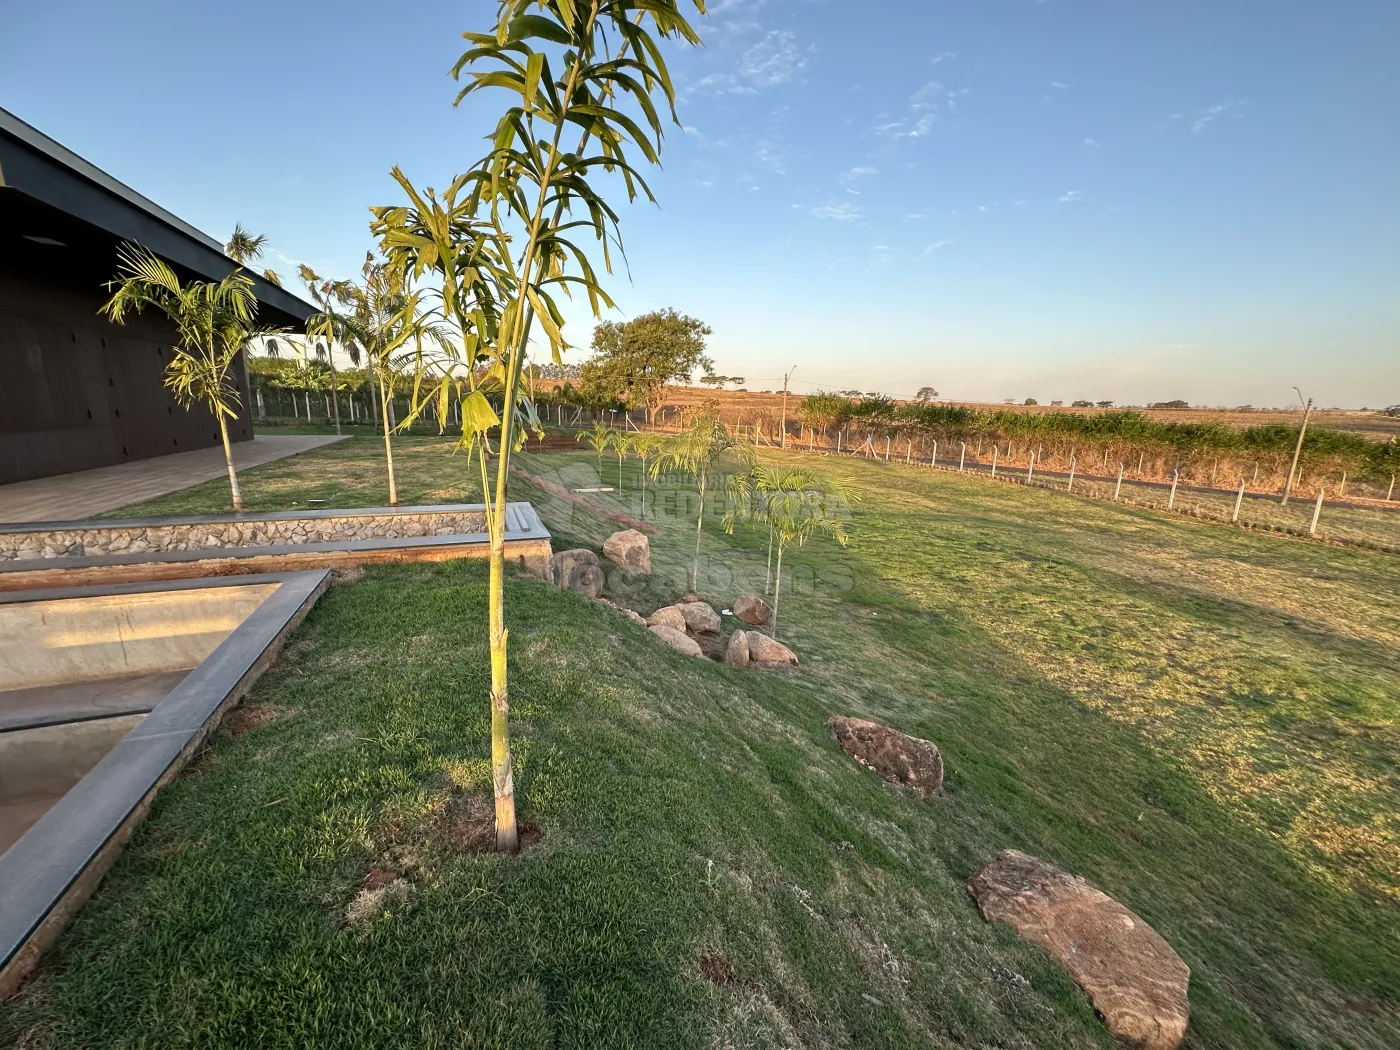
{"x":995,"y":450}
{"x":909,"y":453}
{"x":1070,"y":486}
{"x":1030,"y":467}
{"x":1342,"y":489}
{"x":838,"y":442}
{"x":1317,"y":512}
{"x":887,"y":448}
{"x":933,"y":459}
{"x":1171,"y":500}
{"x":962,"y":458}
{"x":1239,"y":498}
{"x":1118,"y":487}
{"x":1390,"y":491}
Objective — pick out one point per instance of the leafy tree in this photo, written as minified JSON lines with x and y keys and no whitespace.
{"x":823,"y":410}
{"x":599,"y":439}
{"x":244,"y":247}
{"x":1030,"y":401}
{"x":213,"y":322}
{"x":1104,"y":404}
{"x":714,"y":381}
{"x":634,"y":361}
{"x":501,"y":241}
{"x":709,"y":454}
{"x":926,"y":393}
{"x":1081,"y":404}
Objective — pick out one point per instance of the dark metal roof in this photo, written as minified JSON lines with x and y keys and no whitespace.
{"x":36,"y":166}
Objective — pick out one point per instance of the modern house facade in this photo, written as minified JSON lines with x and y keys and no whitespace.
{"x":75,"y":390}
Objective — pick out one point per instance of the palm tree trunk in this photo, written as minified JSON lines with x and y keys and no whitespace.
{"x":389,"y":452}
{"x":502,"y":780}
{"x":699,"y":520}
{"x":228,"y":459}
{"x":777,"y":587}
{"x":768,"y":580}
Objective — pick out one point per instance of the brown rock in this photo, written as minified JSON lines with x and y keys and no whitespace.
{"x":1136,"y":982}
{"x":677,"y":639}
{"x":769,"y":652}
{"x":577,"y":570}
{"x":700,"y":618}
{"x":669,"y":616}
{"x":736,"y":654}
{"x":751,"y":609}
{"x":630,"y":551}
{"x":899,"y":758}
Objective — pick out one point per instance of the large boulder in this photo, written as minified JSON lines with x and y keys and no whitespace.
{"x":669,"y":616}
{"x":769,"y":652}
{"x":751,"y":609}
{"x":677,"y":639}
{"x":736,"y":653}
{"x":700,"y":617}
{"x":1135,"y":980}
{"x":629,"y":550}
{"x":899,"y":758}
{"x":578,"y":571}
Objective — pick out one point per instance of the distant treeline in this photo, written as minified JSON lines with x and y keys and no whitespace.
{"x":1123,"y":430}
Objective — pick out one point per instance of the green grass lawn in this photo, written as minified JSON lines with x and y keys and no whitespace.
{"x":1200,"y":720}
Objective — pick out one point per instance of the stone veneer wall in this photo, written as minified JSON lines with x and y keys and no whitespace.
{"x":248,"y":532}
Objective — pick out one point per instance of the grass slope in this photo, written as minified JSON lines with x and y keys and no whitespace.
{"x":1200,"y":721}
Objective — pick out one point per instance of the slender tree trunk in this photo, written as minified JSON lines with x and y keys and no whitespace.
{"x":335,"y":394}
{"x":228,"y":459}
{"x":699,"y":520}
{"x":389,"y":451}
{"x":502,"y":779}
{"x":768,"y":580}
{"x":777,"y":588}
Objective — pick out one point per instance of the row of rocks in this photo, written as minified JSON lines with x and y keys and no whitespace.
{"x":1136,"y":981}
{"x":98,"y":540}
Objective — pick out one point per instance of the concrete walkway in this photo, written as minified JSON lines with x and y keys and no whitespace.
{"x":69,"y":497}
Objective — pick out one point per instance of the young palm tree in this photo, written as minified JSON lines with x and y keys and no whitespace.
{"x":213,"y":322}
{"x":645,"y":446}
{"x":600,"y":439}
{"x":244,"y":247}
{"x":385,"y":316}
{"x":709,"y":454}
{"x":329,"y":324}
{"x":501,"y":241}
{"x":795,"y":504}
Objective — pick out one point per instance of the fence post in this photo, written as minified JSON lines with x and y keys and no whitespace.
{"x":1140,"y":458}
{"x":1390,"y":491}
{"x":1317,"y":512}
{"x":1342,"y":491}
{"x":1171,"y":500}
{"x":1071,"y":475}
{"x":1239,"y":498}
{"x":909,"y":453}
{"x":1118,"y":487}
{"x":995,"y":450}
{"x":933,"y":459}
{"x":262,"y":409}
{"x":887,"y":448}
{"x":962,"y":456}
{"x":838,"y":442}
{"x":1030,"y":466}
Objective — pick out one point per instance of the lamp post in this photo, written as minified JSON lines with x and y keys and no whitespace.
{"x":1297,"y":450}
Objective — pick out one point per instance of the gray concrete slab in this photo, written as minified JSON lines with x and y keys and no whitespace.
{"x":78,"y":701}
{"x":68,"y":497}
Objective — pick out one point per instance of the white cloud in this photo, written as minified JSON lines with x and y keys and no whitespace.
{"x":1058,"y":84}
{"x":935,"y":246}
{"x":1018,"y":204}
{"x":842,"y":212}
{"x":915,"y":215}
{"x":775,"y":59}
{"x":1092,"y":144}
{"x":941,"y":56}
{"x":1072,"y":196}
{"x":1213,"y":113}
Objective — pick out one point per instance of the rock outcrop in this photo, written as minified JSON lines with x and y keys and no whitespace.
{"x":896,"y":756}
{"x":667,"y":616}
{"x":677,"y":639}
{"x":769,"y":652}
{"x":630,"y":551}
{"x":751,"y":609}
{"x":578,"y":571}
{"x":700,"y":617}
{"x":736,"y":653}
{"x":1136,"y":982}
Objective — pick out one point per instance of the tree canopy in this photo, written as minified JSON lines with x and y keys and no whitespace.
{"x":634,"y":361}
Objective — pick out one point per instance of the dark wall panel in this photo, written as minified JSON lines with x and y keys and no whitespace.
{"x":78,"y":392}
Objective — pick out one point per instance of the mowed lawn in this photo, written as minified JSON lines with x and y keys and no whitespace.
{"x":1200,"y":721}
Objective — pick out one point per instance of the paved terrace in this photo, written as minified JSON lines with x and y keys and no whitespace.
{"x":68,"y":497}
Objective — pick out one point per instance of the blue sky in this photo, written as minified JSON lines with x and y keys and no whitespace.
{"x":1071,"y":198}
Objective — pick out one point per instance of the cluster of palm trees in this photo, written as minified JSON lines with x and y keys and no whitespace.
{"x":791,"y":504}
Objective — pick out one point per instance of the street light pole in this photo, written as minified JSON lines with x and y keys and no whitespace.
{"x":1297,"y":450}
